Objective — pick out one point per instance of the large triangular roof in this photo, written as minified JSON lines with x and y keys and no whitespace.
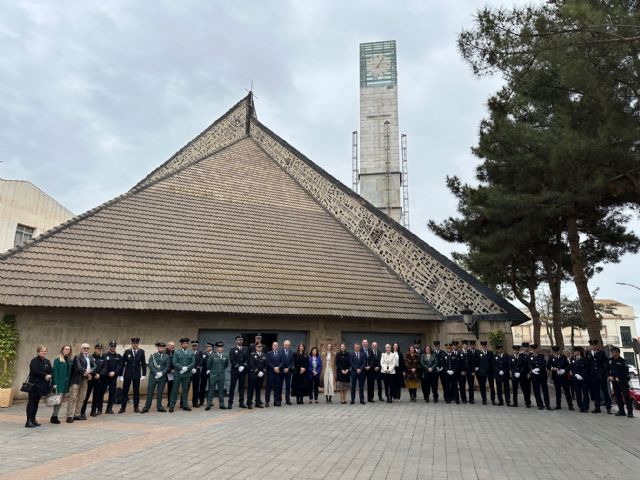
{"x":238,"y":221}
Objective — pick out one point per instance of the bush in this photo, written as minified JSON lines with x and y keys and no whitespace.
{"x":496,"y":337}
{"x":9,"y":339}
{"x":6,"y":379}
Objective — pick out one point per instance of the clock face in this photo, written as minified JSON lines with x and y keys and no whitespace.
{"x":378,"y":65}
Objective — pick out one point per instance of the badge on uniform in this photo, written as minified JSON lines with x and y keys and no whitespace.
{"x":128,"y":356}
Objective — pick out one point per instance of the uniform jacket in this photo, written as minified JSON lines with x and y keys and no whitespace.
{"x":38,"y":369}
{"x":357,"y":361}
{"x":113,"y":363}
{"x":473,"y":357}
{"x":463,"y":362}
{"x":440,"y":354}
{"x":619,"y":369}
{"x":134,"y":366}
{"x":159,"y":362}
{"x":579,"y":366}
{"x":79,"y":367}
{"x":538,"y":360}
{"x":558,"y":362}
{"x":101,"y":365}
{"x":257,"y":362}
{"x":217,"y":364}
{"x":62,"y":374}
{"x":598,"y":365}
{"x":519,"y":363}
{"x":183,"y":359}
{"x":238,"y":357}
{"x":486,"y":363}
{"x":451,"y":362}
{"x":502,"y":363}
{"x":199,"y":364}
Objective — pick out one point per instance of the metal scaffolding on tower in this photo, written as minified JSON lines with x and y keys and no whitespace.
{"x":355,"y":174}
{"x":405,"y":182}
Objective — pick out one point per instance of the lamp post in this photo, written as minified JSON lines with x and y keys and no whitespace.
{"x":469,"y":321}
{"x":628,"y":285}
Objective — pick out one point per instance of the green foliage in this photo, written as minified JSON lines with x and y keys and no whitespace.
{"x":9,"y":338}
{"x":496,"y":337}
{"x":6,"y":379}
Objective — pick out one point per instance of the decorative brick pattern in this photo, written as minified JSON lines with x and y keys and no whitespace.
{"x":435,"y":281}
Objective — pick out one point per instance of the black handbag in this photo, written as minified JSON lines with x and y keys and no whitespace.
{"x":27,"y":386}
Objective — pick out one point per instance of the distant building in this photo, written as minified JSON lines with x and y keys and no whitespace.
{"x":618,"y":329}
{"x":26,"y":212}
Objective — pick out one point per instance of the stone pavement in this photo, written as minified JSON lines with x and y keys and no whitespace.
{"x":378,"y":441}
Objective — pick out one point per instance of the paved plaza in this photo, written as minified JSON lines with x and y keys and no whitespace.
{"x":378,"y":441}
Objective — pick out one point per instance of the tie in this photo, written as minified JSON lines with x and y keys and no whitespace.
{"x":357,"y":355}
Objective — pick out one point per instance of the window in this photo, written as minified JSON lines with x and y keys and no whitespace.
{"x":625,"y":335}
{"x":630,"y":358}
{"x":23,"y":233}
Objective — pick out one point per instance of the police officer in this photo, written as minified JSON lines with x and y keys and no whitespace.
{"x":598,"y":381}
{"x":560,"y":369}
{"x":204,"y":378}
{"x":485,"y":370}
{"x":451,"y":371}
{"x":217,"y":364}
{"x":238,"y":358}
{"x":96,"y":384}
{"x":183,"y":363}
{"x":134,"y":371}
{"x":502,"y":376}
{"x":158,"y":367}
{"x":171,"y":348}
{"x":517,"y":369}
{"x":439,"y":353}
{"x":257,"y":365}
{"x":461,"y":372}
{"x":195,"y":377}
{"x":619,"y":377}
{"x":580,"y":378}
{"x":525,"y":378}
{"x":258,"y":339}
{"x":538,"y":369}
{"x":113,"y":367}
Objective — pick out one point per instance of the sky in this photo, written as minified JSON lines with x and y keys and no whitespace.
{"x":95,"y":95}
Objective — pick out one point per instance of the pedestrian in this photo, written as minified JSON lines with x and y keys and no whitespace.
{"x":485,"y":371}
{"x":40,"y":375}
{"x":329,"y":373}
{"x":238,"y":359}
{"x":343,"y":372}
{"x":388,"y":363}
{"x":440,"y":354}
{"x":96,"y":384}
{"x":502,"y":376}
{"x":358,"y":363}
{"x":538,"y":369}
{"x":429,"y":374}
{"x":300,"y":377}
{"x":274,"y":376}
{"x":374,"y":373}
{"x":580,"y":379}
{"x":199,"y":366}
{"x":134,"y":370}
{"x":314,"y":371}
{"x":83,"y":367}
{"x":61,"y":377}
{"x":287,"y":371}
{"x":183,"y":364}
{"x":560,"y":369}
{"x":399,"y":370}
{"x":619,"y":378}
{"x":257,"y":366}
{"x":158,"y":368}
{"x":113,"y":364}
{"x":451,"y":370}
{"x":412,"y":372}
{"x":598,"y":377}
{"x":216,"y":367}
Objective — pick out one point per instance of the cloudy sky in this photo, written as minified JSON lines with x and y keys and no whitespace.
{"x":97,"y":94}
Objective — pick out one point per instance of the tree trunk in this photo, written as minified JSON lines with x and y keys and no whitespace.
{"x":580,"y":279}
{"x":573,"y":330}
{"x":553,"y":273}
{"x":535,"y":315}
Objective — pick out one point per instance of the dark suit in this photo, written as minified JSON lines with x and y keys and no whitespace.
{"x":39,"y":368}
{"x":274,"y":379}
{"x":113,"y":363}
{"x":373,"y":375}
{"x":134,"y":367}
{"x":287,"y":362}
{"x":598,"y":381}
{"x":539,"y":380}
{"x":502,"y":362}
{"x":96,"y":386}
{"x":200,"y":365}
{"x":358,"y":362}
{"x":239,"y":357}
{"x":486,"y":372}
{"x":560,"y":381}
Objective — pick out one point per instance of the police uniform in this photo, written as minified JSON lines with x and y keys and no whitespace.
{"x":96,"y":385}
{"x":158,"y":368}
{"x":238,"y":358}
{"x":485,"y":370}
{"x":525,"y":378}
{"x":538,"y":369}
{"x":217,"y":364}
{"x":113,"y":368}
{"x":580,"y":379}
{"x":257,"y":365}
{"x":184,"y":361}
{"x":598,"y":383}
{"x":134,"y":368}
{"x":451,"y":370}
{"x":502,"y":376}
{"x":518,"y":366}
{"x":252,"y":347}
{"x":619,"y":376}
{"x":560,"y":369}
{"x":199,"y":357}
{"x":440,"y":370}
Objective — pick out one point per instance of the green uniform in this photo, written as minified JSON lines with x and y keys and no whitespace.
{"x":158,"y":364}
{"x":217,"y":364}
{"x":181,"y":359}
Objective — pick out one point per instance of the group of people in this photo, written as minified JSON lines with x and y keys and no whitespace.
{"x":577,"y":374}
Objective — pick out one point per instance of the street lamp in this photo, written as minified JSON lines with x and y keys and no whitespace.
{"x":469,"y":321}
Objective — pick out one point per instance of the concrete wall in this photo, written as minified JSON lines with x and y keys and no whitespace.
{"x":23,"y":203}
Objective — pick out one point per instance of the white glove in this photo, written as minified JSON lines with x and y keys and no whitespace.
{"x":440,"y":369}
{"x":169,"y":376}
{"x":183,"y":369}
{"x":501,"y":372}
{"x":536,"y":371}
{"x":241,"y":368}
{"x":193,"y":370}
{"x":208,"y":372}
{"x":517,"y":374}
{"x":142,"y":378}
{"x":578,"y":376}
{"x":121,"y":378}
{"x":561,"y":371}
{"x":477,"y":368}
{"x":260,"y":374}
{"x":159,"y":375}
{"x":450,"y":372}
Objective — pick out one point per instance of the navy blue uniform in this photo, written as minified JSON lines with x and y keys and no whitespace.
{"x":502,"y":364}
{"x":598,"y":382}
{"x":560,"y":372}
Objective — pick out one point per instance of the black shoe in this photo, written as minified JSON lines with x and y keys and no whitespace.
{"x":136,"y":410}
{"x":389,"y":400}
{"x":426,"y":400}
{"x":121,"y":410}
{"x":540,"y":407}
{"x":558,"y":408}
{"x":484,"y":402}
{"x":500,"y":404}
{"x":472,"y":402}
{"x":289,"y":402}
{"x":596,"y":410}
{"x":196,"y":405}
{"x":278,"y":404}
{"x":353,"y":402}
{"x":528,"y":406}
{"x":187,"y":409}
{"x":250,"y":407}
{"x":208,"y":407}
{"x":162,"y":410}
{"x":362,"y":402}
{"x":464,"y":401}
{"x":29,"y":424}
{"x":447,"y":402}
{"x":371,"y":401}
{"x":380,"y":399}
{"x":144,"y":410}
{"x":609,"y":410}
{"x":493,"y":402}
{"x":170,"y":409}
{"x":222,"y":407}
{"x":571,"y":407}
{"x":109,"y":412}
{"x":458,"y":402}
{"x":621,"y":413}
{"x":99,"y":412}
{"x":35,"y":422}
{"x":630,"y":414}
{"x":259,"y":405}
{"x":69,"y":419}
{"x":266,"y":405}
{"x":93,"y":414}
{"x":55,"y":420}
{"x":242,"y":405}
{"x":549,"y":408}
{"x":514,"y":405}
{"x":81,"y":417}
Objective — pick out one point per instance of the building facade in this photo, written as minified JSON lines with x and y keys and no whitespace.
{"x":26,"y":212}
{"x":238,"y":233}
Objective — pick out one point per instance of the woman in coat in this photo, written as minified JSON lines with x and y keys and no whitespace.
{"x":580,"y":379}
{"x":40,"y":372}
{"x":388,"y":371}
{"x":61,"y":377}
{"x":412,"y":372}
{"x":314,"y":371}
{"x":300,"y":382}
{"x":399,"y":371}
{"x":329,"y":374}
{"x":429,"y":369}
{"x":343,"y":372}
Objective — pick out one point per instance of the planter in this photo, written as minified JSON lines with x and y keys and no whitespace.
{"x":6,"y":397}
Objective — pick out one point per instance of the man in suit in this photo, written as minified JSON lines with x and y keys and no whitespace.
{"x":486,"y":371}
{"x":440,"y":354}
{"x":560,"y":368}
{"x":204,"y":378}
{"x":373,"y":374}
{"x":238,"y":358}
{"x":217,"y":364}
{"x":81,"y":373}
{"x":287,"y":370}
{"x":183,"y":364}
{"x":598,"y":379}
{"x":274,"y":376}
{"x":158,"y":367}
{"x":502,"y":376}
{"x":199,"y":366}
{"x":358,"y":364}
{"x":113,"y":367}
{"x":134,"y":371}
{"x":96,"y":384}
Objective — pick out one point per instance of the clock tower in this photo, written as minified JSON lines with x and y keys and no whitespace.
{"x":379,"y":172}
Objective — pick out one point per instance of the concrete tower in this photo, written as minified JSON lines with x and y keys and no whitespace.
{"x":379,"y":170}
